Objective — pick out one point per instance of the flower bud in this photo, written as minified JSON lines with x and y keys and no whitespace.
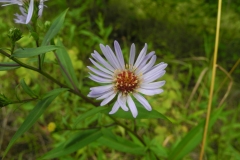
{"x":4,"y":101}
{"x":15,"y":34}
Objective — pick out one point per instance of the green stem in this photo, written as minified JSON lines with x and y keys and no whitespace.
{"x":129,"y":130}
{"x":39,"y":58}
{"x":80,"y":129}
{"x":13,"y":46}
{"x":23,"y":101}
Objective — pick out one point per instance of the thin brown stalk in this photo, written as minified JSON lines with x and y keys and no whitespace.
{"x":231,"y":71}
{"x":212,"y":80}
{"x":196,"y":86}
{"x":229,"y":86}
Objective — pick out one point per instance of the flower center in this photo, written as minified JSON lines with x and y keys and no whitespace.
{"x":126,"y":82}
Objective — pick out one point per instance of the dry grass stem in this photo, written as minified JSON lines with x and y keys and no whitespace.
{"x":196,"y":86}
{"x":212,"y":80}
{"x":229,"y":85}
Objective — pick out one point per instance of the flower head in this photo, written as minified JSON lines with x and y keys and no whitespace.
{"x":27,"y":9}
{"x":125,"y":80}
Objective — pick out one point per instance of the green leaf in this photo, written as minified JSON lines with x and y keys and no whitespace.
{"x":89,"y":113}
{"x":5,"y":66}
{"x":192,"y":139}
{"x":30,"y":52}
{"x":116,"y":142}
{"x":27,"y":89}
{"x":142,"y":114}
{"x":54,"y":28}
{"x":53,"y":31}
{"x":158,"y":149}
{"x":77,"y":141}
{"x":34,"y":115}
{"x":66,"y":66}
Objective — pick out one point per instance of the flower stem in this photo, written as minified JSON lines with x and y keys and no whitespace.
{"x":129,"y":130}
{"x":23,"y":101}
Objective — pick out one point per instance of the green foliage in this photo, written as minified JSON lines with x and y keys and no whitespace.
{"x":66,"y":66}
{"x":142,"y":114}
{"x":34,"y":115}
{"x":53,"y":30}
{"x":118,"y":143}
{"x":30,"y":52}
{"x":182,"y":34}
{"x":5,"y":66}
{"x":77,"y":141}
{"x":192,"y":139}
{"x":27,"y":89}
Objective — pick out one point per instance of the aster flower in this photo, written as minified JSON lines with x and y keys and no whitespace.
{"x":26,"y":8}
{"x":125,"y":80}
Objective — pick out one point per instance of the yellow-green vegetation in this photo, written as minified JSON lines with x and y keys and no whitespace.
{"x":181,"y":32}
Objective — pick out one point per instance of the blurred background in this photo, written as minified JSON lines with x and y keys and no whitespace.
{"x":181,"y":32}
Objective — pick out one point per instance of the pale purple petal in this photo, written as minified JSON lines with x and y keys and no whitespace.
{"x":153,"y":85}
{"x":155,"y":70}
{"x":132,"y":106}
{"x":119,"y":54}
{"x":153,"y":77}
{"x":150,"y":92}
{"x":164,"y":65}
{"x":115,"y":108}
{"x":141,"y":56}
{"x":146,"y":58}
{"x":100,"y":73}
{"x":107,"y":94}
{"x":20,"y":3}
{"x":102,"y":89}
{"x":147,"y":66}
{"x":100,"y":67}
{"x":40,"y":8}
{"x":99,"y":79}
{"x":108,"y":56}
{"x":102,"y":61}
{"x":113,"y":56}
{"x":143,"y":101}
{"x":30,"y":11}
{"x":122,"y":101}
{"x":108,"y":99}
{"x":94,"y":94}
{"x":132,"y":56}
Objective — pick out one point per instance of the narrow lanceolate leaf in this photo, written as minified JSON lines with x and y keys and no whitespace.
{"x":34,"y":115}
{"x":192,"y":139}
{"x":27,"y":89}
{"x":66,"y":66}
{"x":74,"y":143}
{"x":5,"y":66}
{"x":54,"y":28}
{"x":118,"y":143}
{"x":53,"y":31}
{"x":30,"y":52}
{"x":142,"y":114}
{"x":88,"y":114}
